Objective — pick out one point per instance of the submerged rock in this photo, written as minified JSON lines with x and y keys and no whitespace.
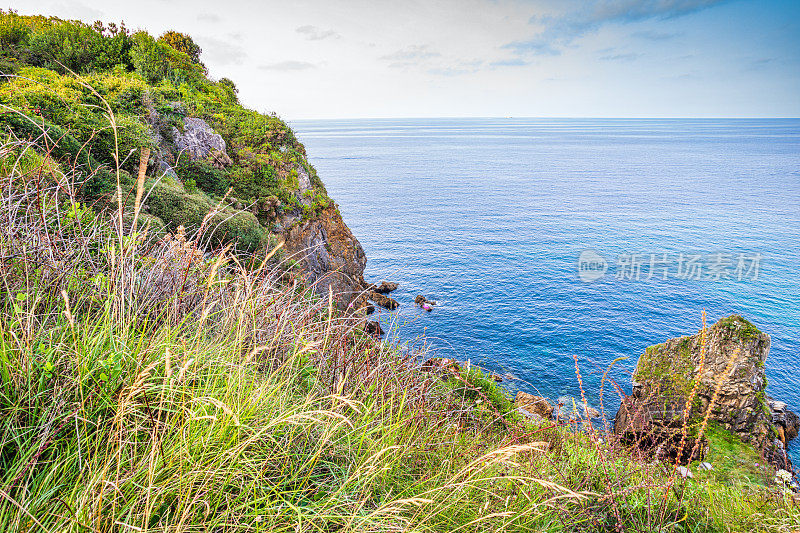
{"x":570,"y":408}
{"x":670,"y":374}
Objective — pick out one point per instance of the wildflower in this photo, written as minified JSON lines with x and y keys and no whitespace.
{"x":783,"y":477}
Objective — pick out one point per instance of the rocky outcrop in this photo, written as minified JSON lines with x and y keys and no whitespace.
{"x":442,"y":367}
{"x":373,"y":327}
{"x":385,"y":287}
{"x":199,"y":141}
{"x":420,"y":300}
{"x":383,"y":300}
{"x":786,"y":422}
{"x":330,"y":257}
{"x":530,"y":404}
{"x":729,"y":371}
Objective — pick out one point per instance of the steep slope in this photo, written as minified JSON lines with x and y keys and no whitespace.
{"x":101,"y":94}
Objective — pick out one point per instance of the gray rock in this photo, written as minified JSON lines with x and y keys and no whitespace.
{"x":787,"y":422}
{"x":668,"y":373}
{"x":199,"y":141}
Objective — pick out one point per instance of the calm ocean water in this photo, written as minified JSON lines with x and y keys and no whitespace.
{"x":490,"y":216}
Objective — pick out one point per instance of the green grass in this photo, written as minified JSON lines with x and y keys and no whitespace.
{"x":733,"y":460}
{"x":151,"y":382}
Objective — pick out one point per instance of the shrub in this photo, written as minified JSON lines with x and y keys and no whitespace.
{"x":156,"y":61}
{"x":182,"y":43}
{"x":176,"y":207}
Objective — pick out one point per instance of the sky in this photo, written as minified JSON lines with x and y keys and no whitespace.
{"x":315,"y":59}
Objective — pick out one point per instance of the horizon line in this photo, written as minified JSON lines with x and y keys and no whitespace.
{"x":512,"y":117}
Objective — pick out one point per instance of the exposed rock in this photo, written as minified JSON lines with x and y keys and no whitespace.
{"x":199,"y":141}
{"x":385,"y":287}
{"x":685,"y":473}
{"x":383,"y":301}
{"x":534,"y":404}
{"x":667,"y":374}
{"x":330,"y":257}
{"x":531,"y":416}
{"x":373,"y":327}
{"x":420,"y":300}
{"x":786,"y":422}
{"x":443,"y":367}
{"x":705,"y":466}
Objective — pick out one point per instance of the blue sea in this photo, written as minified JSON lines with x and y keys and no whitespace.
{"x":489,"y":217}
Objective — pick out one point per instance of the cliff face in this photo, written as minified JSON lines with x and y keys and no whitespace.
{"x":330,"y":256}
{"x":729,"y":372}
{"x":307,"y":220}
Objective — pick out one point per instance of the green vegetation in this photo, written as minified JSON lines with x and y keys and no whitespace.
{"x":741,"y":328}
{"x":733,"y":460}
{"x":67,"y":80}
{"x":152,"y":381}
{"x":669,"y":372}
{"x":149,"y":385}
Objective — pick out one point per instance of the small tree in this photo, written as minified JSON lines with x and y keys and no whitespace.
{"x":182,"y":43}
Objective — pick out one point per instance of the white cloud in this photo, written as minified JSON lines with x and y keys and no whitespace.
{"x":312,"y":33}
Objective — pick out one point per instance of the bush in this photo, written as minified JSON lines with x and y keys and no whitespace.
{"x":203,"y":175}
{"x":156,"y":61}
{"x":177,"y":207}
{"x":182,"y":43}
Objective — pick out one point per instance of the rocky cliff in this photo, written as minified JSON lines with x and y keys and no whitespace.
{"x":720,"y":375}
{"x":209,"y":153}
{"x":308,"y":222}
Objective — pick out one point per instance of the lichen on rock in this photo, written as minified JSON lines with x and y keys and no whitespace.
{"x":675,"y":382}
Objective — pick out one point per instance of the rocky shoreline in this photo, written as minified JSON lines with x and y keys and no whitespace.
{"x":679,"y":388}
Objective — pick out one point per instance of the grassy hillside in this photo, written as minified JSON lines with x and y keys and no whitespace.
{"x":67,"y":79}
{"x":153,"y":381}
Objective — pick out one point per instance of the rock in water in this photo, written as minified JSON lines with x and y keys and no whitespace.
{"x":534,"y":404}
{"x":421,"y":301}
{"x":373,"y":327}
{"x":383,"y":301}
{"x":386,"y":287}
{"x":667,"y":373}
{"x":570,"y":408}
